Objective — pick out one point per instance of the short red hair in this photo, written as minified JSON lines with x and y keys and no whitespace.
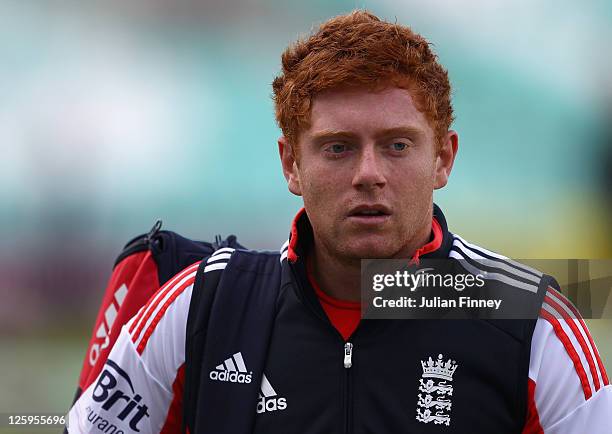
{"x":360,"y":49}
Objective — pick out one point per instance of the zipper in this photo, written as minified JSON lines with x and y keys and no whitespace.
{"x":348,"y":355}
{"x":139,"y":243}
{"x":348,"y":363}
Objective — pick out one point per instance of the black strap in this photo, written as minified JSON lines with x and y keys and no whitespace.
{"x":231,"y":311}
{"x":195,"y":339}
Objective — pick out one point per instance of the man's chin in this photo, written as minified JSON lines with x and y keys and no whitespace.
{"x":370,"y":251}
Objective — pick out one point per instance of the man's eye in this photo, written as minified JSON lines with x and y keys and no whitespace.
{"x":399,"y":146}
{"x":337,"y":148}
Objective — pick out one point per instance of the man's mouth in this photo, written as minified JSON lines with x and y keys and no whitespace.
{"x":369,"y":214}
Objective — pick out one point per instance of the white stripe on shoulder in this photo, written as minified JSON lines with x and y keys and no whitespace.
{"x":165,"y":348}
{"x":492,"y":276}
{"x":158,"y":305}
{"x":215,"y":266}
{"x":494,"y":264}
{"x":561,"y":300}
{"x":219,"y":257}
{"x":223,"y":250}
{"x":548,"y":365}
{"x":285,"y":246}
{"x":575,"y":344}
{"x":150,"y":305}
{"x":560,"y":308}
{"x":497,"y":255}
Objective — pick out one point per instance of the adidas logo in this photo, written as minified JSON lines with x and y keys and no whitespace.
{"x":232,"y":370}
{"x":268,"y":400}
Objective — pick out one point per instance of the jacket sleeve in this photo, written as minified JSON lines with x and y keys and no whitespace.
{"x":140,"y":387}
{"x":569,"y":390}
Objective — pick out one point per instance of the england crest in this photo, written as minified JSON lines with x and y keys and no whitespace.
{"x":435,"y":402}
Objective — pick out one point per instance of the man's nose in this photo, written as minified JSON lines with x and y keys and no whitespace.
{"x":369,"y":171}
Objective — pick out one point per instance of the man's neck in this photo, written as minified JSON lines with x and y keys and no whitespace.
{"x":341,"y":277}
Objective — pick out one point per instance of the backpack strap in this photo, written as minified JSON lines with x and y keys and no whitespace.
{"x":231,"y":317}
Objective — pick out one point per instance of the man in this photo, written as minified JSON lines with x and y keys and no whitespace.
{"x":365,"y":112}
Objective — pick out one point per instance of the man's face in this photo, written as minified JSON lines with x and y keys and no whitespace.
{"x":367,"y":169}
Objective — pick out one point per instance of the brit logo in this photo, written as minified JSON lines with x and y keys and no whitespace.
{"x":434,"y":404}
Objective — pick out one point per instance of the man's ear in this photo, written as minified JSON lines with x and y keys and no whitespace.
{"x":445,"y":159}
{"x":290,"y":167}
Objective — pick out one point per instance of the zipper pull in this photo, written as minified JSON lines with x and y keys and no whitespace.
{"x":154,"y":230}
{"x":348,"y":355}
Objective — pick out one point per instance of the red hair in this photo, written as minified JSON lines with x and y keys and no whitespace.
{"x":359,"y":49}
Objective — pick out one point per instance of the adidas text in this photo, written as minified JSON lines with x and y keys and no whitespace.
{"x":232,"y":377}
{"x":271,"y":404}
{"x":233,"y":369}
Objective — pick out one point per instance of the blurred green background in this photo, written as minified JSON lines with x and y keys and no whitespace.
{"x":115,"y":113}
